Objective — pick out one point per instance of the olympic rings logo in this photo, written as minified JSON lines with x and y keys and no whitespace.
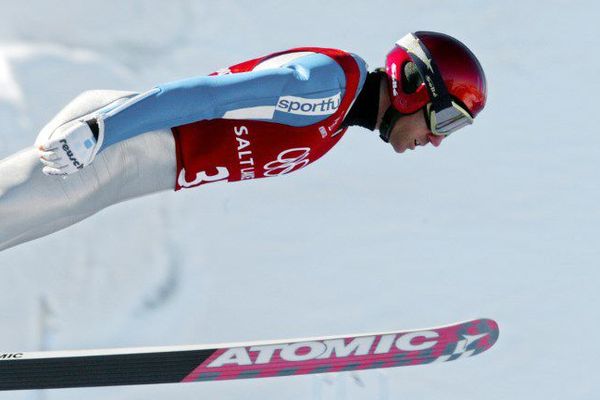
{"x":288,"y":161}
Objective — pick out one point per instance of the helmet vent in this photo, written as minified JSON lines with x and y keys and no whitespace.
{"x":411,"y":79}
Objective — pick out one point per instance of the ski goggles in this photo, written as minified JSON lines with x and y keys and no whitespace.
{"x":441,"y":123}
{"x":448,"y":119}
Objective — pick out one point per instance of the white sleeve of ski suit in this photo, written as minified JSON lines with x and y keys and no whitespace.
{"x":33,"y":205}
{"x":264,"y":94}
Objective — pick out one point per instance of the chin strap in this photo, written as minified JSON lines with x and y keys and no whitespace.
{"x":388,"y":121}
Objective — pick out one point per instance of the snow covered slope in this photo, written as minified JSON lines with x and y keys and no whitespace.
{"x":501,"y":221}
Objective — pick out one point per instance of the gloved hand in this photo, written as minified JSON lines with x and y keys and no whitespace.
{"x":70,"y":147}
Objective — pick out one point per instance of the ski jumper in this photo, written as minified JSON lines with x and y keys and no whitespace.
{"x":283,"y":113}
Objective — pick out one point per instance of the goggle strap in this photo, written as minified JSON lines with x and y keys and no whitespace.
{"x":429,"y":71}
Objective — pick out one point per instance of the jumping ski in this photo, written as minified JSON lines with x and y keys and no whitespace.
{"x":175,"y":364}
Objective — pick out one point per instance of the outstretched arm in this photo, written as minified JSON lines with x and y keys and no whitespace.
{"x":249,"y":95}
{"x":297,"y":93}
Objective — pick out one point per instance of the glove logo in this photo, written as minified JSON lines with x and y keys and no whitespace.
{"x":67,"y":150}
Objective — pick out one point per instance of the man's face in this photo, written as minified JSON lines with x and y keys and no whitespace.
{"x":411,"y":131}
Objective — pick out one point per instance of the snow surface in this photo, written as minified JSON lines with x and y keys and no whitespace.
{"x":501,"y":221}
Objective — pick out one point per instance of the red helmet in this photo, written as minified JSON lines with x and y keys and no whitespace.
{"x":460,"y":72}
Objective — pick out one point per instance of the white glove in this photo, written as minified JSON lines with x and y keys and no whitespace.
{"x":70,"y":147}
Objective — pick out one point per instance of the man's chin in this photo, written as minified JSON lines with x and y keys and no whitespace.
{"x":398,"y":148}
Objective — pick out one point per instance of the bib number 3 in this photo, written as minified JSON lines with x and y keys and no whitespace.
{"x":203,"y":177}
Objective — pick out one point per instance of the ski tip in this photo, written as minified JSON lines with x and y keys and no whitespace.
{"x":488,"y":329}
